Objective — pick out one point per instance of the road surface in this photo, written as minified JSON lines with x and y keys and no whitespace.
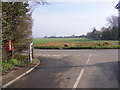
{"x":73,"y":69}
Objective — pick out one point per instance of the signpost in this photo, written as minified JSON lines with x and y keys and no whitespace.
{"x":30,"y":52}
{"x":118,"y":6}
{"x":100,"y":40}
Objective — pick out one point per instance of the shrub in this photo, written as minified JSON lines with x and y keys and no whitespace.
{"x":66,"y":45}
{"x":13,"y":61}
{"x":47,"y":47}
{"x":21,"y":57}
{"x":105,"y":44}
{"x":7,"y":66}
{"x":22,"y":63}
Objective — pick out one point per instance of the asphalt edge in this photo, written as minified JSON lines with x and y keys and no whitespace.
{"x":12,"y":81}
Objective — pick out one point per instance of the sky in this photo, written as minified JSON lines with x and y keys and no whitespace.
{"x":68,"y":17}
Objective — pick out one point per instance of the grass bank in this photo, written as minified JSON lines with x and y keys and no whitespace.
{"x":13,"y":63}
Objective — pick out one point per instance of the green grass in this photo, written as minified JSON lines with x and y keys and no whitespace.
{"x":52,"y":40}
{"x":7,"y":67}
{"x":10,"y":65}
{"x":14,"y":62}
{"x":77,"y":47}
{"x":73,"y":43}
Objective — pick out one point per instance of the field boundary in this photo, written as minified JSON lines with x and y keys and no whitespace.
{"x":74,"y":43}
{"x":75,"y":47}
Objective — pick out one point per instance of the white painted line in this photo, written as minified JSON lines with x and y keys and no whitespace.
{"x":60,"y":50}
{"x":55,"y":55}
{"x":88,"y":59}
{"x":38,"y":54}
{"x":80,"y":75}
{"x":48,"y":55}
{"x":44,"y":55}
{"x":65,"y":55}
{"x":78,"y":80}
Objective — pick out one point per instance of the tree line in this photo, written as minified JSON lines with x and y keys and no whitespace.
{"x":106,"y":33}
{"x":110,"y":32}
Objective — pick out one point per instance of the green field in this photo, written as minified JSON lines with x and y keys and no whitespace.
{"x":72,"y":43}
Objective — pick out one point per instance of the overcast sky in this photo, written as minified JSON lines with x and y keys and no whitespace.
{"x":65,"y":17}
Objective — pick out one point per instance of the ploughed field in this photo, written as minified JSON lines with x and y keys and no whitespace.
{"x":73,"y":43}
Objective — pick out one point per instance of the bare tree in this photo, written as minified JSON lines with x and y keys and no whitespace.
{"x":112,"y":21}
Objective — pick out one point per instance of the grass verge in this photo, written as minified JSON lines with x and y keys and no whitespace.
{"x":11,"y":64}
{"x":77,"y":47}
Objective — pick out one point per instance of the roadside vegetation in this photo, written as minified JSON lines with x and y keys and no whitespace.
{"x":12,"y":64}
{"x":16,"y":33}
{"x":16,"y":26}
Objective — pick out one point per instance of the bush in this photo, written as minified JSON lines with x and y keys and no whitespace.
{"x":21,"y":63}
{"x":47,"y":47}
{"x":7,"y":66}
{"x":66,"y":45}
{"x":105,"y":44}
{"x":21,"y":57}
{"x":13,"y":61}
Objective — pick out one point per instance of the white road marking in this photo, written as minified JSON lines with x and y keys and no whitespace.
{"x":54,"y":55}
{"x":48,"y":55}
{"x":61,"y":50}
{"x":88,"y":59}
{"x":38,"y":54}
{"x":78,"y":80}
{"x":43,"y":55}
{"x":65,"y":55}
{"x":80,"y":75}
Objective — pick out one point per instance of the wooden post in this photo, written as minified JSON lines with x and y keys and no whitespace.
{"x":30,"y":52}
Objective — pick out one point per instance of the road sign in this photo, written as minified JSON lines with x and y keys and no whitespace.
{"x":118,"y":6}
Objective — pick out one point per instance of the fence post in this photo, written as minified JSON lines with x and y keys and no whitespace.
{"x":30,"y":52}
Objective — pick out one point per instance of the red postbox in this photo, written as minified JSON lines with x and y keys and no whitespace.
{"x":9,"y":45}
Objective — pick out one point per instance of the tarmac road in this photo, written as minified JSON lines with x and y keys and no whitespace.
{"x":73,"y":69}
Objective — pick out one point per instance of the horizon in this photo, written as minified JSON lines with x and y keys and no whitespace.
{"x":68,"y":18}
